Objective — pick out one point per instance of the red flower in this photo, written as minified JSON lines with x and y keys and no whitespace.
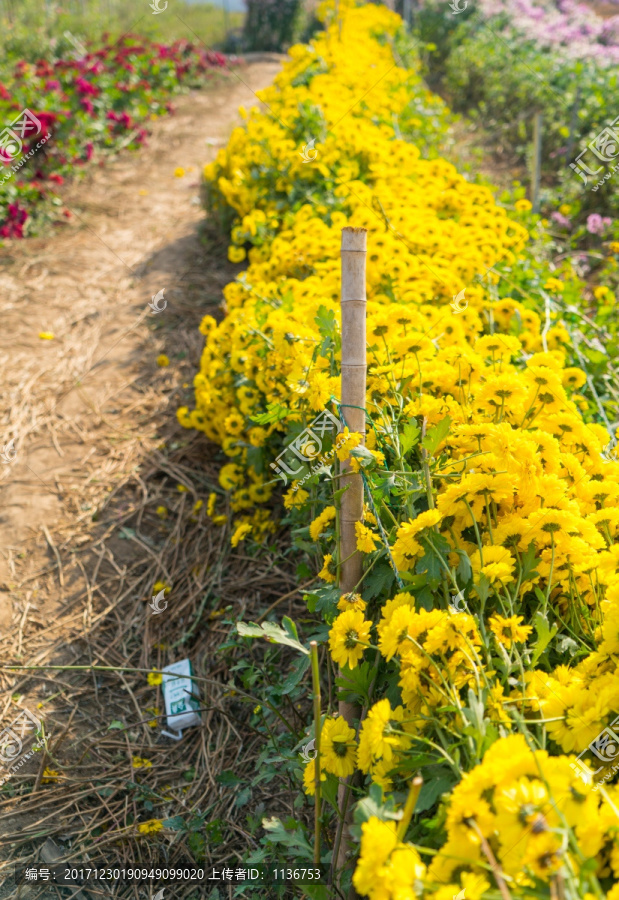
{"x":47,"y":120}
{"x":57,"y":178}
{"x":13,"y":225}
{"x":85,"y":87}
{"x":123,"y":119}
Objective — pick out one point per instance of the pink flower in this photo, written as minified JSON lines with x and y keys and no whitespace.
{"x":560,"y":219}
{"x":596,"y":224}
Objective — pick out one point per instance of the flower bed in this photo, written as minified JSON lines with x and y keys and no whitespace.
{"x":480,"y":646}
{"x":85,"y":107}
{"x":501,"y":62}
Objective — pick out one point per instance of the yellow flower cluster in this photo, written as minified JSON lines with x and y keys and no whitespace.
{"x":430,"y":232}
{"x":529,"y":812}
{"x":387,"y":868}
{"x":525,"y":815}
{"x":582,"y":702}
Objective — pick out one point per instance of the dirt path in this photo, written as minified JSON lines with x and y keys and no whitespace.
{"x":69,"y":403}
{"x":83,"y":538}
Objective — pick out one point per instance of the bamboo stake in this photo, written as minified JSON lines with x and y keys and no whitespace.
{"x":353,"y":306}
{"x":409,"y":806}
{"x":537,"y":160}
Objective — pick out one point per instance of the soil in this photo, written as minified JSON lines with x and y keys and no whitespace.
{"x":133,"y":231}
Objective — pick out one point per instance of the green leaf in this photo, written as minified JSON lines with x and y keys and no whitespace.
{"x":228,"y":778}
{"x":363,"y":455}
{"x":326,"y":321}
{"x":431,"y":564}
{"x":255,"y":458}
{"x":329,"y":789}
{"x":115,"y":723}
{"x":424,"y":599}
{"x":567,"y":644}
{"x":275,"y":634}
{"x":409,"y":436}
{"x":432,"y":789}
{"x":196,"y":844}
{"x":483,"y":588}
{"x":298,"y":671}
{"x":435,"y":435}
{"x":373,"y":805}
{"x":464,"y":569}
{"x":355,"y":683}
{"x":528,"y":562}
{"x":275,"y":413}
{"x":337,"y":495}
{"x":474,"y":712}
{"x":414,"y":581}
{"x":105,"y":791}
{"x":317,"y":891}
{"x":544,"y":635}
{"x":176,"y":823}
{"x":294,"y":838}
{"x":378,"y":581}
{"x":323,"y":600}
{"x":243,"y":797}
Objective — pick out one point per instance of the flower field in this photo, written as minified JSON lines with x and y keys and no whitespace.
{"x":480,"y":648}
{"x":86,"y":106}
{"x":562,"y":63}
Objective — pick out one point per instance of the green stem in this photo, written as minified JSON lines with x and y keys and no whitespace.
{"x":317,"y":729}
{"x":442,"y":561}
{"x":426,"y":467}
{"x":367,"y":572}
{"x":477,"y":535}
{"x":336,"y":503}
{"x":550,"y":574}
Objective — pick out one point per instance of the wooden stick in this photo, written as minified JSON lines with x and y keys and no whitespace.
{"x":354,"y":242}
{"x":353,"y":306}
{"x":537,"y":160}
{"x":494,"y":865}
{"x":409,"y":806}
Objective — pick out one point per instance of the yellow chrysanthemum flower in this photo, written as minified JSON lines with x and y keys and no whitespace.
{"x":348,"y":637}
